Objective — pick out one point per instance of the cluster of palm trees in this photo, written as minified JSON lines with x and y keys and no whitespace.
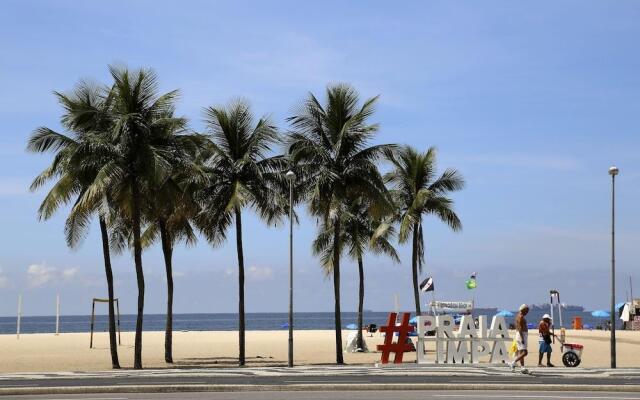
{"x":128,"y":160}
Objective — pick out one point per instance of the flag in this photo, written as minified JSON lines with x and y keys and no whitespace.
{"x":471,"y":283}
{"x":427,"y":285}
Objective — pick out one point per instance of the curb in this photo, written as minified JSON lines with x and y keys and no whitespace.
{"x":311,"y":388}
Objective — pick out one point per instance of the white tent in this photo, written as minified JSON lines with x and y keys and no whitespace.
{"x":352,"y":343}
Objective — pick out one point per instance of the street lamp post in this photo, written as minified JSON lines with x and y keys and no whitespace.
{"x":290,"y":177}
{"x":613,"y":171}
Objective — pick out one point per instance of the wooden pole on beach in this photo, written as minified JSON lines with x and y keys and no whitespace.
{"x":93,"y":319}
{"x":57,"y":314}
{"x":118,"y":315}
{"x":19,"y":316}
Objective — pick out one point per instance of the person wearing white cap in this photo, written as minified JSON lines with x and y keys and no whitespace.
{"x":544,"y":330}
{"x":522,"y":332}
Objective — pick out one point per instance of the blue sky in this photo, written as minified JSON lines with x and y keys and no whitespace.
{"x":531,"y":101}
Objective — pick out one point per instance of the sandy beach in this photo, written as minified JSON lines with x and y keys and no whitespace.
{"x":70,"y":351}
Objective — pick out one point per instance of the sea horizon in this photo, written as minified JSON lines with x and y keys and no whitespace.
{"x":255,"y":321}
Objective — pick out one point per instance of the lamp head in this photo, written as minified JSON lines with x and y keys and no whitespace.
{"x":290,"y":175}
{"x":613,"y":171}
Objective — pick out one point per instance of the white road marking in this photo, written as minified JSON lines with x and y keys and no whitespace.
{"x":486,"y":381}
{"x":537,"y":396}
{"x":143,"y":383}
{"x":327,"y":382}
{"x":95,"y":398}
{"x":18,"y":385}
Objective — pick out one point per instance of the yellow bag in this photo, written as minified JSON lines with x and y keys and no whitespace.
{"x":514,"y":348}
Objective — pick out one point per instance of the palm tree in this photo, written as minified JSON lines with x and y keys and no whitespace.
{"x":239,"y":175}
{"x":170,"y":217}
{"x":75,"y":165}
{"x":329,"y":147}
{"x":418,"y":193}
{"x":167,"y":217}
{"x":361,"y":231}
{"x":143,"y":147}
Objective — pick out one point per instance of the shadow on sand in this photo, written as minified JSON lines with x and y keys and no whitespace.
{"x":225,"y":362}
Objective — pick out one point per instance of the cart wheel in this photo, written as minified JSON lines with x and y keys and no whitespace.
{"x":570,"y":359}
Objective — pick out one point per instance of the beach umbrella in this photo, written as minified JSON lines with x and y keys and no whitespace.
{"x":413,"y":321}
{"x":504,"y":313}
{"x":600,"y":314}
{"x":352,"y":326}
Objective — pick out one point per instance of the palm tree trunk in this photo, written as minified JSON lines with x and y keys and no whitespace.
{"x":414,"y":268}
{"x":137,"y":255}
{"x":241,"y":357}
{"x":113,"y":344}
{"x":336,"y":291}
{"x":167,"y":251}
{"x":360,"y":302}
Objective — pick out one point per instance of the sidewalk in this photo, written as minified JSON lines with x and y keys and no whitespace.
{"x":406,"y":369}
{"x":322,"y":378}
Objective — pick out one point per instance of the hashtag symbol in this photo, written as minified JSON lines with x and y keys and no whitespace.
{"x":401,"y":345}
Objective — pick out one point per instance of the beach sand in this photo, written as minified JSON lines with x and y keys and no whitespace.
{"x":70,"y":351}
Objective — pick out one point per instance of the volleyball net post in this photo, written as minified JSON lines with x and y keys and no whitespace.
{"x":93,"y":318}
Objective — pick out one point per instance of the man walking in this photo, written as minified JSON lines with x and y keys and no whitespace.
{"x":522,"y":333}
{"x":544,"y":330}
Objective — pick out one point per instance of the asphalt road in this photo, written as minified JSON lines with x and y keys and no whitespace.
{"x":369,"y":395}
{"x":249,"y":379}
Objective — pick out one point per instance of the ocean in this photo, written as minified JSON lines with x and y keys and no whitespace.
{"x":229,"y":322}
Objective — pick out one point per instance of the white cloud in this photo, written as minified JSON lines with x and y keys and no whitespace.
{"x":4,"y":280}
{"x":39,"y":275}
{"x":69,"y":273}
{"x":259,"y":273}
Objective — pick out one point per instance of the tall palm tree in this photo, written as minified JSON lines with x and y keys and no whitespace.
{"x":329,"y":147}
{"x":417,"y":193}
{"x":361,"y":231}
{"x":171,"y":208}
{"x":143,"y":149}
{"x":239,"y":175}
{"x":167,"y":219}
{"x":170,"y":220}
{"x":75,"y":165}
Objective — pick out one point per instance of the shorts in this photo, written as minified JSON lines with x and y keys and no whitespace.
{"x":545,"y":347}
{"x":521,"y":341}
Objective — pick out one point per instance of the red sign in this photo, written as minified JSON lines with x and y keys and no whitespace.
{"x":401,"y":345}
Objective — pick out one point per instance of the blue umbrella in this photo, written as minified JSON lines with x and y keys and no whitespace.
{"x":413,"y":321}
{"x":352,"y":326}
{"x":600,"y":314}
{"x":505,"y":313}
